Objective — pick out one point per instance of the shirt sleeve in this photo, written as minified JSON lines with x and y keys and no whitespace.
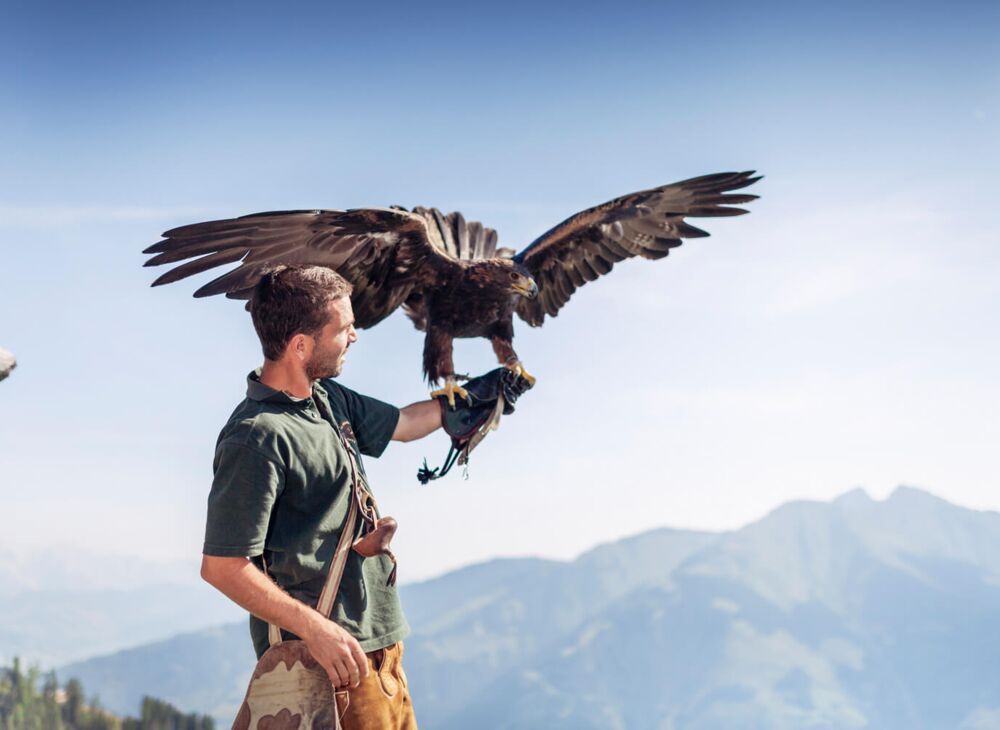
{"x":373,"y":421}
{"x":244,"y":489}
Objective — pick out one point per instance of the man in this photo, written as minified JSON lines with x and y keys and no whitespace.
{"x":281,"y":493}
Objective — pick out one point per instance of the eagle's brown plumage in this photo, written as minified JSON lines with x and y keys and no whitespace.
{"x":447,"y":273}
{"x":647,"y":224}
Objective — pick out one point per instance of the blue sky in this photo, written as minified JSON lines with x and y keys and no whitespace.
{"x":840,"y":335}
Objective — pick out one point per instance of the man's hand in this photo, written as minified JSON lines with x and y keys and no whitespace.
{"x":485,"y":389}
{"x":419,"y":419}
{"x":468,"y":422}
{"x":338,"y":653}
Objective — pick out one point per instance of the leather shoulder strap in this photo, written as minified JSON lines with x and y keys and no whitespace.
{"x":336,"y":572}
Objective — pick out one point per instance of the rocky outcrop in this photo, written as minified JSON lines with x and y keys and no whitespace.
{"x":7,"y":363}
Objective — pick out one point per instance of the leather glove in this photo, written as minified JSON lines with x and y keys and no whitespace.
{"x":468,"y":416}
{"x":485,"y":389}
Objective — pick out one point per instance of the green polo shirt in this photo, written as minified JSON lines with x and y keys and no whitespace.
{"x":281,"y":492}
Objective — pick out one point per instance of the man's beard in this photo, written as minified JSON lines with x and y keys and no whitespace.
{"x":323,"y":367}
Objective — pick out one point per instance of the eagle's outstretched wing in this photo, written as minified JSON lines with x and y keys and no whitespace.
{"x":384,"y":252}
{"x":648,"y":224}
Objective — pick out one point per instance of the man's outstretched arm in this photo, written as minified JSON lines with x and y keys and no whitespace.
{"x":241,"y":581}
{"x":417,"y":420}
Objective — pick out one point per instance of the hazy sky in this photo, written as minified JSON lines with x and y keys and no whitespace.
{"x":844,"y":334}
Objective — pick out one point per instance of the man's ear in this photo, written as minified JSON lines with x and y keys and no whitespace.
{"x":300,"y":347}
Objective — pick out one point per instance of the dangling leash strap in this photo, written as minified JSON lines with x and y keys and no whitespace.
{"x":464,"y":439}
{"x":426,"y":474}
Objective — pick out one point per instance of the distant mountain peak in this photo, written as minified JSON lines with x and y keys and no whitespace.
{"x":654,"y":536}
{"x":906,"y":494}
{"x":856,"y":496}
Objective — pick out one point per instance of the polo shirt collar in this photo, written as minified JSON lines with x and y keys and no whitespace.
{"x":257,"y":391}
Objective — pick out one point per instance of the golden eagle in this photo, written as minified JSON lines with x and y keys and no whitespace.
{"x":447,"y":273}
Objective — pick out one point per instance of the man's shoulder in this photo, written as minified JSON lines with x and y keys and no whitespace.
{"x":343,"y":394}
{"x":339,"y":395}
{"x":256,"y":425}
{"x":333,"y":388}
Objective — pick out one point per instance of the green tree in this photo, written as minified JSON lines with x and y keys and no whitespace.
{"x":73,"y":704}
{"x":51,"y":715}
{"x":29,"y":701}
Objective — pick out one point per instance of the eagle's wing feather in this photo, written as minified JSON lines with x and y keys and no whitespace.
{"x":461,"y":239}
{"x":383,"y":252}
{"x":457,"y":238}
{"x":647,"y":223}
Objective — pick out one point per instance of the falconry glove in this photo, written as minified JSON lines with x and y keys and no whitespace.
{"x":467,"y":423}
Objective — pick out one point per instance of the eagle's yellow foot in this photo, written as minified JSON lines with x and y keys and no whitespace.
{"x":450,"y":389}
{"x":520,"y":372}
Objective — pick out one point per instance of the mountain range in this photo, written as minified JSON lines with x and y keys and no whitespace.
{"x":849,"y":614}
{"x":58,"y":606}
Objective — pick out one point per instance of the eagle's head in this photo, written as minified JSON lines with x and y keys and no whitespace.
{"x":521,"y":281}
{"x":503,"y":275}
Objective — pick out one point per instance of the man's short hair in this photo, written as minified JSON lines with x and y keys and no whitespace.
{"x":290,"y":300}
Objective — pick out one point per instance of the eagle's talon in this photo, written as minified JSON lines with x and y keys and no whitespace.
{"x":518,"y":369}
{"x":450,"y":390}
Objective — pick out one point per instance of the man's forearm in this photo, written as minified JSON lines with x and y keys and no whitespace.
{"x":243,"y":583}
{"x":337,"y":651}
{"x":417,"y":420}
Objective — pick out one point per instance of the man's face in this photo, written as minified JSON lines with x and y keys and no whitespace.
{"x":330,"y":345}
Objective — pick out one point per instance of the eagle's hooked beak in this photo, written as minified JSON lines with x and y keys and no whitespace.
{"x":528,"y":289}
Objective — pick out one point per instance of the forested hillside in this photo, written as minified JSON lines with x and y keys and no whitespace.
{"x":31,"y":701}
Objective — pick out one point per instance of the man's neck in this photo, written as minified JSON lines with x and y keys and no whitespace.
{"x":286,"y":377}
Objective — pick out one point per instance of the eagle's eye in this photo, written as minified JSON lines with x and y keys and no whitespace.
{"x":514,"y":276}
